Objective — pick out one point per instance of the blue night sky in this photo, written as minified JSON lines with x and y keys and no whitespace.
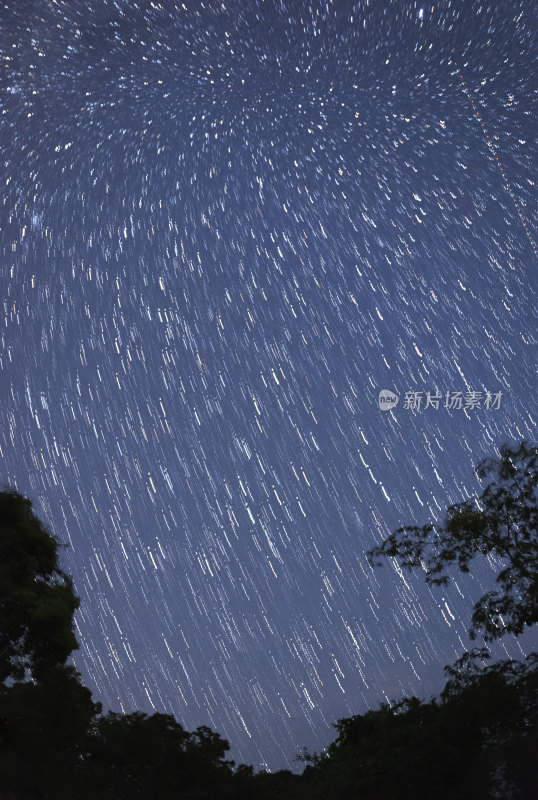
{"x":225,"y":228}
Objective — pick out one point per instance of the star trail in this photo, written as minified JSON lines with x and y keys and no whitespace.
{"x":226,"y":227}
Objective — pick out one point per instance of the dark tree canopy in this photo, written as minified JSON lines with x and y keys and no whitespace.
{"x":43,"y":727}
{"x":37,"y":600}
{"x":503,"y":521}
{"x":53,"y":743}
{"x":478,"y":739}
{"x":135,"y":755}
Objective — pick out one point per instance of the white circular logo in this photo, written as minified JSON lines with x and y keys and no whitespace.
{"x":387,"y":400}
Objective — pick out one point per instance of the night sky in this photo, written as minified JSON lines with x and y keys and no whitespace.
{"x":225,"y":228}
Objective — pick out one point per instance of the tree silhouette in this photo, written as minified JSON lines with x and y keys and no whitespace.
{"x":139,"y":756}
{"x":42,"y":732}
{"x":478,"y":739}
{"x":53,"y":744}
{"x":503,"y":521}
{"x":37,"y":601}
{"x":504,"y":697}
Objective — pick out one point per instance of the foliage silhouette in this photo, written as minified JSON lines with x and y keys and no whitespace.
{"x":503,"y":522}
{"x":136,"y":755}
{"x":478,"y":739}
{"x":37,"y":601}
{"x":42,"y":731}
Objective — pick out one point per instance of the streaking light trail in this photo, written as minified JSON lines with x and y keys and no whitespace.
{"x":493,"y":151}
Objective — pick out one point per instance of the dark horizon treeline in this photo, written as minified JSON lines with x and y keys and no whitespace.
{"x":478,"y":739}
